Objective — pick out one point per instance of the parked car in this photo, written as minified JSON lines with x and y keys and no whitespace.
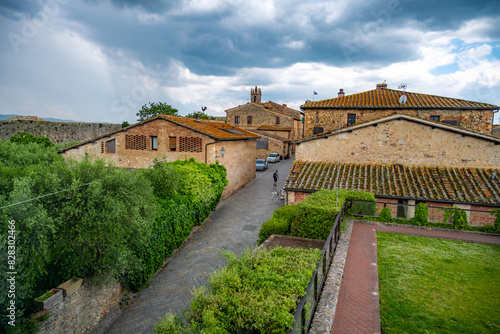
{"x":260,"y":164}
{"x":273,"y":157}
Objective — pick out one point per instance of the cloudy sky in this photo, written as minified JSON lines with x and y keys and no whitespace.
{"x":101,"y":60}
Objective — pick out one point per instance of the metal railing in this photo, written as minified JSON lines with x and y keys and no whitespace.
{"x":436,"y":213}
{"x":308,"y":303}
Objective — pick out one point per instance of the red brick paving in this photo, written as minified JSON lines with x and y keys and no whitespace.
{"x":358,"y":304}
{"x":358,"y":308}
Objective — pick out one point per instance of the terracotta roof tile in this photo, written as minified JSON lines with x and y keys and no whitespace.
{"x":383,"y":98}
{"x":467,"y":185}
{"x":215,"y":129}
{"x":273,"y":128}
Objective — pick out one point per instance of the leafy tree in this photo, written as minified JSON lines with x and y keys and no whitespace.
{"x":125,"y":124}
{"x":155,"y":109}
{"x":24,"y":138}
{"x":202,"y":115}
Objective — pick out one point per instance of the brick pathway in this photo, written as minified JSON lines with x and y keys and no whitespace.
{"x":358,"y":304}
{"x":234,"y":225}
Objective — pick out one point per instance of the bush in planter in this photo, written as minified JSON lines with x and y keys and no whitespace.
{"x":316,"y":215}
{"x":358,"y":208}
{"x":421,"y":214}
{"x":385,"y":215}
{"x":279,"y":223}
{"x":459,"y":220}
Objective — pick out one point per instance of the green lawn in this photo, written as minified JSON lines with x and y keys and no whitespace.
{"x":438,"y":286}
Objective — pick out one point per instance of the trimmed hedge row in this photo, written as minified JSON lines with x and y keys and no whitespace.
{"x":315,"y":216}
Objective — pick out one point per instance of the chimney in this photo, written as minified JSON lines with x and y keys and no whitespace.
{"x":341,"y":92}
{"x":382,"y":86}
{"x":198,"y":117}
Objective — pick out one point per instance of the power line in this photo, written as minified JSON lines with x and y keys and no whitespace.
{"x":57,"y":192}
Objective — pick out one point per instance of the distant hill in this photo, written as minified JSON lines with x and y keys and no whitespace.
{"x":49,"y":119}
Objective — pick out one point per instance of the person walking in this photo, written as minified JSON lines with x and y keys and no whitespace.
{"x":275,"y":177}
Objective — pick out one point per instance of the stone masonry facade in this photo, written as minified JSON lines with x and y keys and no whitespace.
{"x":81,"y":311}
{"x":132,"y":148}
{"x":328,"y":119}
{"x":403,"y":142}
{"x":259,"y":116}
{"x":57,"y":132}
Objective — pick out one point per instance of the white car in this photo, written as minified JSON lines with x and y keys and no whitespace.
{"x":273,"y":157}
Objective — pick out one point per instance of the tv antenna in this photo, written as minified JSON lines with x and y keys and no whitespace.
{"x":402,"y":98}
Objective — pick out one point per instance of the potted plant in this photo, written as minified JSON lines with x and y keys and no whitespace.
{"x":49,"y":299}
{"x":70,"y":286}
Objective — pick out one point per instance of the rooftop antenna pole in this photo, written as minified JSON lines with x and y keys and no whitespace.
{"x":402,"y":98}
{"x":338,"y":163}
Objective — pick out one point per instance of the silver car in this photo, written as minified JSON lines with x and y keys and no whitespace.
{"x":273,"y":157}
{"x":260,"y":164}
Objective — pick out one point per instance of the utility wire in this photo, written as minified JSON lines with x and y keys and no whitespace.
{"x":57,"y":192}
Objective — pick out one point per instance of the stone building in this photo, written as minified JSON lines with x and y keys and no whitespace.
{"x":403,"y":160}
{"x":271,"y":143}
{"x":324,"y":116}
{"x":172,"y":138}
{"x":270,"y":117}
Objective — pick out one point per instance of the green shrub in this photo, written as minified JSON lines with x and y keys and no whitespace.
{"x":496,"y":213}
{"x":279,"y":223}
{"x":257,"y":292}
{"x":316,"y":215}
{"x":421,"y":214}
{"x":385,"y":215}
{"x":187,"y":192}
{"x":459,"y":220}
{"x":25,"y":138}
{"x":359,"y":208}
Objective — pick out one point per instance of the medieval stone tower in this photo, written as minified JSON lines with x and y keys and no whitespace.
{"x":255,"y":95}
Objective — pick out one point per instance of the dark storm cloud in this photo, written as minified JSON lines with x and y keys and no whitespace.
{"x":367,"y":33}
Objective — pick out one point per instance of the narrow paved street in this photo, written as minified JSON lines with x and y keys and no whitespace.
{"x":234,"y":225}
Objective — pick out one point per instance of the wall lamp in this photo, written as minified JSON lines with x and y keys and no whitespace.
{"x":222,"y":152}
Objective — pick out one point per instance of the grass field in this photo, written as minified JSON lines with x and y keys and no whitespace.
{"x":438,"y":286}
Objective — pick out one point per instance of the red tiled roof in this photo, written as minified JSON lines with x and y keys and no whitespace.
{"x":283,"y":109}
{"x":383,"y":98}
{"x":273,"y":128}
{"x":464,"y":185}
{"x":215,"y":129}
{"x":266,"y":134}
{"x":397,"y":116}
{"x":271,"y":106}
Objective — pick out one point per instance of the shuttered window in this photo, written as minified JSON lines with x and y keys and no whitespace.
{"x":262,"y":144}
{"x":173,"y":143}
{"x":111,"y":146}
{"x":351,"y":119}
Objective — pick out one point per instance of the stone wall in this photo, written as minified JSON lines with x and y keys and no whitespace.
{"x":403,"y":142}
{"x":81,"y":311}
{"x":260,"y":116}
{"x":58,"y":132}
{"x":274,"y":146}
{"x":239,"y":159}
{"x":328,"y":119}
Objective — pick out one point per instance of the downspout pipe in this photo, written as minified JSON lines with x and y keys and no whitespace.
{"x":206,"y":151}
